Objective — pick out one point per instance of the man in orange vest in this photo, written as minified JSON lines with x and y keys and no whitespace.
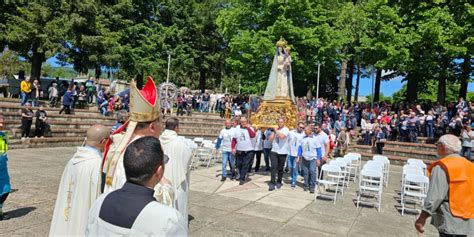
{"x":450,"y":198}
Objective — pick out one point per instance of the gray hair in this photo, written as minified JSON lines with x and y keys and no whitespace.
{"x":450,"y":143}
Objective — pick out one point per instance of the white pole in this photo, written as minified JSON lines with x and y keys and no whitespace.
{"x":168,"y":73}
{"x":317,"y":83}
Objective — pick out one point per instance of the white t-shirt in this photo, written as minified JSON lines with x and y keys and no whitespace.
{"x":323,"y":139}
{"x":294,"y":139}
{"x":226,"y":136}
{"x":309,"y":146}
{"x":280,"y":146}
{"x":244,"y":142}
{"x":258,"y":142}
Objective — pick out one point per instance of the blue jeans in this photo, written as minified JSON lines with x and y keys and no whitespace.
{"x":430,"y":129}
{"x":309,"y":173}
{"x":466,"y":152}
{"x":293,"y":169}
{"x":227,"y":156}
{"x":266,"y":156}
{"x":24,"y":98}
{"x":204,"y":106}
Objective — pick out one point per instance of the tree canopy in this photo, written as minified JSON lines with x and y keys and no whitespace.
{"x":218,"y":44}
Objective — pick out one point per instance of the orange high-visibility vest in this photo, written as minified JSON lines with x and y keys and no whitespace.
{"x":460,"y":174}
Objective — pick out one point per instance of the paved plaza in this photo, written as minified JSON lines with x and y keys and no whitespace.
{"x":216,"y":208}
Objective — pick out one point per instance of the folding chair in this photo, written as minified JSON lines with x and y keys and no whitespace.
{"x":330,"y":175}
{"x":370,"y":184}
{"x":418,"y":163}
{"x":386,"y":169}
{"x":355,"y":164}
{"x":415,"y":189}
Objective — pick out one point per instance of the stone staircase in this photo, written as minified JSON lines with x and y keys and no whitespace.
{"x":69,"y":130}
{"x":399,"y":152}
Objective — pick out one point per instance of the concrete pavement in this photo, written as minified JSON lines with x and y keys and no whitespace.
{"x":216,"y":208}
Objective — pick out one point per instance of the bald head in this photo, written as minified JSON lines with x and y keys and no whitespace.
{"x":97,"y":136}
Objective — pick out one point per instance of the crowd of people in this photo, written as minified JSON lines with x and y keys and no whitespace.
{"x":70,"y":96}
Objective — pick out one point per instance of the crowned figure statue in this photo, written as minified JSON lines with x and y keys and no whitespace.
{"x":279,"y":99}
{"x":280,"y":81}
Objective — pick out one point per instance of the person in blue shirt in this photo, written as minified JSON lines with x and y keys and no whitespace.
{"x":68,"y":99}
{"x":310,"y":155}
{"x":4,"y":177}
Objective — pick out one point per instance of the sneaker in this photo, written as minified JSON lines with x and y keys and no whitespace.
{"x":241,"y":182}
{"x":278,"y":186}
{"x":293,"y":185}
{"x":271,"y":187}
{"x":223,"y":179}
{"x":305,"y":189}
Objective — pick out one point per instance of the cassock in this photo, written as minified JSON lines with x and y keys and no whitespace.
{"x":79,"y":188}
{"x":132,"y":211}
{"x":176,"y":170}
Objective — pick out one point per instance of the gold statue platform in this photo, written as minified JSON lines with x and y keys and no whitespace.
{"x":269,"y":112}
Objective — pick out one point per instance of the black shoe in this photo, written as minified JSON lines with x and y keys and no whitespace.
{"x":305,"y":189}
{"x":241,"y":182}
{"x":232,"y":178}
{"x":311,"y":191}
{"x":4,"y":217}
{"x":267,"y":169}
{"x":272,"y":187}
{"x":223,"y":179}
{"x":278,"y":186}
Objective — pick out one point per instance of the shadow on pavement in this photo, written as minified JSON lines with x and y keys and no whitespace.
{"x":20,"y":212}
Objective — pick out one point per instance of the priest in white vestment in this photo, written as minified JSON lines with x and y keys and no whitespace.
{"x":132,"y":210}
{"x":80,"y":185}
{"x":144,"y":120}
{"x":176,"y":171}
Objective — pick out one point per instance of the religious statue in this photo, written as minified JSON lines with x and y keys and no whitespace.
{"x":280,"y":81}
{"x":279,"y":99}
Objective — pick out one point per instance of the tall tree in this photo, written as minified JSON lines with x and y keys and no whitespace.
{"x":37,"y":30}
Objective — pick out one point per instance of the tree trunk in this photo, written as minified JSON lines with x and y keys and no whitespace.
{"x":442,"y":89}
{"x":98,"y":71}
{"x":139,"y":80}
{"x":342,"y":81}
{"x":466,"y":71}
{"x":412,"y":88}
{"x":378,"y":78}
{"x":36,"y":62}
{"x":356,"y":94}
{"x":349,"y":81}
{"x":202,"y":80}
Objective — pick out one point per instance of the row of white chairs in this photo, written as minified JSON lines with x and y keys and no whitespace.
{"x":203,"y":152}
{"x":414,"y":185}
{"x":337,"y":174}
{"x":373,"y":177}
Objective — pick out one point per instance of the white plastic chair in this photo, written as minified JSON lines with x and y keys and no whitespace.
{"x":355,"y":164}
{"x":370,"y":184}
{"x":344,"y":172}
{"x":386,"y":170}
{"x":418,"y":163}
{"x":330,"y":175}
{"x":415,"y":190}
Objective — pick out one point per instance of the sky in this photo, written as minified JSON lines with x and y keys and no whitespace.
{"x":387,"y":88}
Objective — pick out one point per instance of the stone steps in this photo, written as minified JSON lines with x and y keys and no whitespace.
{"x":394,"y":159}
{"x":400,"y":152}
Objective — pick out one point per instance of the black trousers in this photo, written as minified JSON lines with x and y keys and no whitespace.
{"x":448,"y":235}
{"x":242,"y":161}
{"x":379,"y":147}
{"x":3,"y":197}
{"x":66,"y":108}
{"x":277,"y":162}
{"x":25,"y":127}
{"x":39,"y":129}
{"x":258,"y":156}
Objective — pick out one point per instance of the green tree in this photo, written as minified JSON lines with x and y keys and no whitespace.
{"x":36,"y":30}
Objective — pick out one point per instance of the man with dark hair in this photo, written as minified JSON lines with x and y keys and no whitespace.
{"x":171,"y":123}
{"x":132,"y":210}
{"x":177,"y":170}
{"x":279,"y":139}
